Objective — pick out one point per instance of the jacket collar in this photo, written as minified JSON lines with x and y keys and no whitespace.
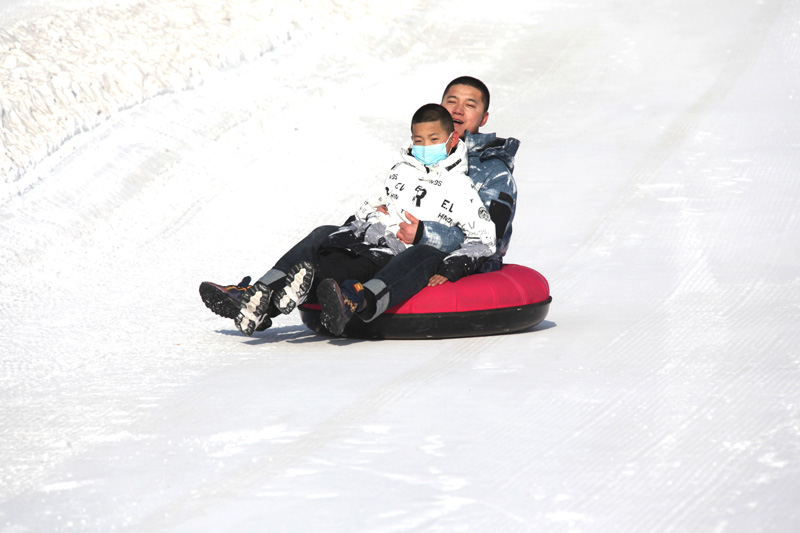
{"x":490,"y":146}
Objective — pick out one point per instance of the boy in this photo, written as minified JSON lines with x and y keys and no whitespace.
{"x":431,"y":181}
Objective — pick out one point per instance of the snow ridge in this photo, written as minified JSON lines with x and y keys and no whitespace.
{"x":67,"y":73}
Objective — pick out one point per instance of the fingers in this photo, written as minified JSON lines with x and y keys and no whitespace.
{"x":404,"y":237}
{"x":435,"y":280}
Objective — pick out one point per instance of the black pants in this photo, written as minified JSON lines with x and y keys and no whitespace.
{"x":341,"y":266}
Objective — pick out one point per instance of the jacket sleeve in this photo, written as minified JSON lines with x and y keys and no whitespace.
{"x":440,"y":236}
{"x":369,"y":206}
{"x":498,"y":194}
{"x":479,"y":240}
{"x":378,"y":197}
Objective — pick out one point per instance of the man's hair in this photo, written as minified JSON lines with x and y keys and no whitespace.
{"x":471,"y":82}
{"x":434,"y":113}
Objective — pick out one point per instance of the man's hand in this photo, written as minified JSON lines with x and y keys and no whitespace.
{"x":435,"y":280}
{"x":408,"y":230}
{"x":382,"y":209}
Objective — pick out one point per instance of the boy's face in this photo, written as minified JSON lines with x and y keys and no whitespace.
{"x":466,"y":106}
{"x":428,"y":133}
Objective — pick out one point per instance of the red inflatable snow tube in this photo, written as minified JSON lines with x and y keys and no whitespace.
{"x":512,"y":299}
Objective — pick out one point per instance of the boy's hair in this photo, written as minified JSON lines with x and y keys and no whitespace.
{"x":434,"y":113}
{"x":474,"y":83}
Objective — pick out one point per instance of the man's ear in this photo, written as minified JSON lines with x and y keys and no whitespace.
{"x":485,"y":118}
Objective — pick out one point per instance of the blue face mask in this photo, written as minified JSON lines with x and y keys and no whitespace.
{"x":431,"y":154}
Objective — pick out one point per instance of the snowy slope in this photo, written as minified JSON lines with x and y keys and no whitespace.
{"x":658,"y":195}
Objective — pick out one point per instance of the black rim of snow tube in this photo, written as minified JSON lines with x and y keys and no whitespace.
{"x":436,"y":325}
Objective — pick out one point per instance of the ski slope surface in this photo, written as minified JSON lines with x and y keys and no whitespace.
{"x":148,"y":146}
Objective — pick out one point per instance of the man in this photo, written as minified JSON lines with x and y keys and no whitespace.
{"x":491,"y":163}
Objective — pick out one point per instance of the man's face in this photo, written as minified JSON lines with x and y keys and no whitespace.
{"x":466,"y":107}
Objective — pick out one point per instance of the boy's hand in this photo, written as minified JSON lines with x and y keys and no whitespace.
{"x":408,"y":230}
{"x":435,"y":280}
{"x":382,"y":209}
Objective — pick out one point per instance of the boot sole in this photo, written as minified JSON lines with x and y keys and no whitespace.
{"x":248,"y":319}
{"x":330,"y":301}
{"x":218,"y":301}
{"x":298,"y":283}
